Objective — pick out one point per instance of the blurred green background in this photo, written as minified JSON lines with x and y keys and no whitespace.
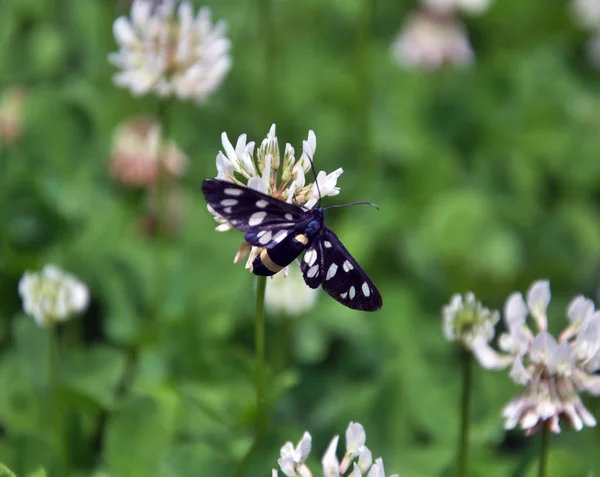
{"x":487,"y":177}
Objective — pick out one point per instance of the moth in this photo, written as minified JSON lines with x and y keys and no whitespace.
{"x":284,"y":231}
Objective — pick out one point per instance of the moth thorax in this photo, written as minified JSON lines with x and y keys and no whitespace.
{"x":313,"y":228}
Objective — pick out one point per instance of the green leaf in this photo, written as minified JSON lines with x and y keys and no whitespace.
{"x":5,"y":472}
{"x":94,"y":372}
{"x":139,"y":434}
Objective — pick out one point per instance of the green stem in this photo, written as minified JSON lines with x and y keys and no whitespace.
{"x":259,"y":344}
{"x":465,"y":404}
{"x":161,"y":212}
{"x":55,"y":398}
{"x":544,"y":445}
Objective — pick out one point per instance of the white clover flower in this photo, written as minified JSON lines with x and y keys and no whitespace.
{"x":552,"y":371}
{"x":164,"y":48}
{"x":467,"y":321}
{"x":288,"y":295}
{"x":139,"y":154}
{"x":430,"y":41}
{"x":52,"y":295}
{"x":265,"y":171}
{"x":586,"y":13}
{"x":358,"y":456}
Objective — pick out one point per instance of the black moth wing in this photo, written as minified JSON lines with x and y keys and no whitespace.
{"x":339,"y":274}
{"x":251,"y":211}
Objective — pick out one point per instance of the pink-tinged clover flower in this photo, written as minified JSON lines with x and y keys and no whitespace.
{"x":553,"y":371}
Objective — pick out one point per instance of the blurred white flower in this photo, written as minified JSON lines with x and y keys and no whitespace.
{"x":164,"y":48}
{"x":467,"y":321}
{"x":266,"y":172}
{"x":473,"y":7}
{"x":12,"y":103}
{"x":288,"y":295}
{"x":586,"y":13}
{"x":292,"y":461}
{"x":139,"y":153}
{"x":552,"y":371}
{"x":52,"y":295}
{"x":430,"y":41}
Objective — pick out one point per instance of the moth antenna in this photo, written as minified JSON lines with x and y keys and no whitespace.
{"x":351,"y":204}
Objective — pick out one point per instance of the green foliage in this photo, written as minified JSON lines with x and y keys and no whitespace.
{"x":487,"y":178}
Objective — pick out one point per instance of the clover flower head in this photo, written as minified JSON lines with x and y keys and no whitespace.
{"x":264,"y":170}
{"x":553,"y":371}
{"x":357,"y":456}
{"x":466,"y":320}
{"x":166,"y":49}
{"x":288,"y":295}
{"x":139,"y":154}
{"x":52,"y":295}
{"x":430,"y":40}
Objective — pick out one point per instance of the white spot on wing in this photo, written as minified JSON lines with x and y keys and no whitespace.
{"x":344,"y":295}
{"x":227,"y":210}
{"x":310,"y":257}
{"x":227,"y":202}
{"x":234,"y":192}
{"x":347,"y":266}
{"x":365,"y":289}
{"x":313,"y":271}
{"x":289,"y":216}
{"x":352,"y":292}
{"x":279,"y":236}
{"x":327,"y":244}
{"x":266,"y":238}
{"x":256,"y":218}
{"x":331,"y":272}
{"x":261,"y":203}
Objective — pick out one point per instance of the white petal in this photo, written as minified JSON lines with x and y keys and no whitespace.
{"x":123,"y":32}
{"x":580,"y":309}
{"x":355,"y":472}
{"x":519,"y":373}
{"x":330,"y":463}
{"x":538,"y":298}
{"x":515,"y":310}
{"x":488,"y":357}
{"x":543,"y":348}
{"x":303,"y":448}
{"x":355,"y":438}
{"x":377,"y":469}
{"x":365,"y":459}
{"x":562,"y":361}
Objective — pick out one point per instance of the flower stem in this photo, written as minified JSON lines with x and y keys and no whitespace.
{"x":161,"y":210}
{"x":465,"y":404}
{"x":544,"y":444}
{"x":259,"y":344}
{"x":55,"y":398}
